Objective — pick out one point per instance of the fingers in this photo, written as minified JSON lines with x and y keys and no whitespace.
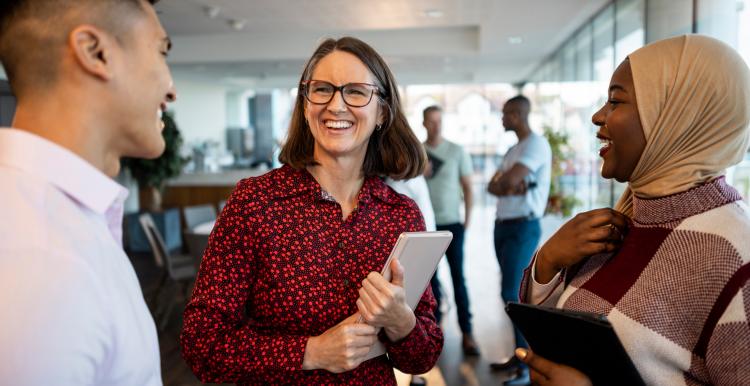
{"x":360,"y":329}
{"x":535,"y":362}
{"x":605,"y":216}
{"x":537,"y":378}
{"x":372,"y":295}
{"x":397,"y":270}
{"x":352,"y":319}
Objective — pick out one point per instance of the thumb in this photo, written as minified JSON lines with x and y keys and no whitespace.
{"x":352,"y":319}
{"x":536,"y":362}
{"x":397,"y":272}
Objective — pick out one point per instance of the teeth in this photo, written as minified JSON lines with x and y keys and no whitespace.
{"x":338,"y":124}
{"x":605,"y":141}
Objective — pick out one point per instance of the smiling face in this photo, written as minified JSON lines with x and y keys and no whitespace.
{"x":340,"y":130}
{"x":144,"y":87}
{"x":620,"y":127}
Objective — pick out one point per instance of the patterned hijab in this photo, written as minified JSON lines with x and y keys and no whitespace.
{"x":693,"y":95}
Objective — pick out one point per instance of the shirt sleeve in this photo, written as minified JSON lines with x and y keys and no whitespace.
{"x":418,"y":352}
{"x":536,"y":154}
{"x":533,"y":292}
{"x":466,"y":168}
{"x":218,"y":343}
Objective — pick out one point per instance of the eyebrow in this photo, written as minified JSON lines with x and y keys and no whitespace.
{"x":617,"y":87}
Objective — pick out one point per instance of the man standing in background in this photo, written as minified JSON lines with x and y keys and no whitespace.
{"x":521,"y":186}
{"x":449,"y":181}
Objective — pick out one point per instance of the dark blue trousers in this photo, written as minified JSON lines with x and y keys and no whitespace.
{"x":455,"y":256}
{"x":515,"y":243}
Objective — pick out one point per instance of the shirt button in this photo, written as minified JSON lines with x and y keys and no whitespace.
{"x":341,"y":245}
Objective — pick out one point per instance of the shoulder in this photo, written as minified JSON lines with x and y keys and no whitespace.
{"x":538,"y":141}
{"x":729,"y":223}
{"x":389,"y":192}
{"x":452,"y":146}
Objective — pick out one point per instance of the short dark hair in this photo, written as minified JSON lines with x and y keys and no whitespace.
{"x":32,"y":32}
{"x":430,"y":109}
{"x":520,"y":99}
{"x":393,"y":150}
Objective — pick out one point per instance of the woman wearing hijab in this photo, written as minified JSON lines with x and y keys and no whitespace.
{"x":672,"y":276}
{"x":292,"y":265}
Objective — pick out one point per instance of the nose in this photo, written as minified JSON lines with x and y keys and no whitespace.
{"x":599,"y":117}
{"x":171,"y":94}
{"x":337,"y":103}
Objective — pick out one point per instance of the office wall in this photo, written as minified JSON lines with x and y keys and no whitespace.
{"x":200,"y":110}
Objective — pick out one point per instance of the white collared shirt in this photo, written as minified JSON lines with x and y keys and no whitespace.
{"x":71,"y":309}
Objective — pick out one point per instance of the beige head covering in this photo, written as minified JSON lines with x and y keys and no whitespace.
{"x":692,"y":93}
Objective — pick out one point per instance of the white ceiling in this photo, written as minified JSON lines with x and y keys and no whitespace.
{"x":468,"y":43}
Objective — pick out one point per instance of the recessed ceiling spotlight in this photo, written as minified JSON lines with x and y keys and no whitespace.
{"x":515,"y":40}
{"x":212,"y":11}
{"x":237,"y":24}
{"x":433,"y":13}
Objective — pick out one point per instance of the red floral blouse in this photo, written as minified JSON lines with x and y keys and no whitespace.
{"x":281,"y":266}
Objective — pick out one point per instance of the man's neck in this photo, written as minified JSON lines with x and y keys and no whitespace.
{"x":434,"y":141}
{"x":523,"y":132}
{"x":69,"y":128}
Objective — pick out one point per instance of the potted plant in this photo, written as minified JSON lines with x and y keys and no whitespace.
{"x":151,"y":176}
{"x":152,"y":173}
{"x":559,"y":202}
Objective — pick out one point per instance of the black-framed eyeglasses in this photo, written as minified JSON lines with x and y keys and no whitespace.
{"x":320,"y":92}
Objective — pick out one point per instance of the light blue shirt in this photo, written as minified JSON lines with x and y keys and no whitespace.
{"x":445,"y":184}
{"x":534,"y":153}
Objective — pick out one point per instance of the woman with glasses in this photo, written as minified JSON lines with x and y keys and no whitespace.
{"x":671,"y":267}
{"x":289,"y":290}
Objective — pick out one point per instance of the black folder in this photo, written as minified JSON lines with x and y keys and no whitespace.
{"x":584,"y":341}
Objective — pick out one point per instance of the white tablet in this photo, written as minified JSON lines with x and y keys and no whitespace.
{"x":419,"y":254}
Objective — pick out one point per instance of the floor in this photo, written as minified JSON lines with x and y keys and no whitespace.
{"x":491,"y":325}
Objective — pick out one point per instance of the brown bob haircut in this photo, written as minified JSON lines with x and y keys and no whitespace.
{"x":392,"y":151}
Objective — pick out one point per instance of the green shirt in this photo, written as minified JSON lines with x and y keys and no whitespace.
{"x":449,"y":163}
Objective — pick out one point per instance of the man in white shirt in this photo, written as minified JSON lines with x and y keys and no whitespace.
{"x":521,"y":186}
{"x":91,"y":81}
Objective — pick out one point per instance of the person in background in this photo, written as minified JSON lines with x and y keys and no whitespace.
{"x":91,"y":81}
{"x":416,"y":189}
{"x":449,"y":181}
{"x":521,"y":186}
{"x":670,"y":265}
{"x":293,"y":262}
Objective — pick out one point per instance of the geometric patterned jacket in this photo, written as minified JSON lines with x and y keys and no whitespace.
{"x":677,"y":292}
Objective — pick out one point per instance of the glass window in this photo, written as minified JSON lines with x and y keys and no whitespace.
{"x":583,"y":54}
{"x":569,"y":61}
{"x":603,"y":28}
{"x":629,"y":32}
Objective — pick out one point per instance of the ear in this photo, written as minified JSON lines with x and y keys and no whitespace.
{"x":92,"y":49}
{"x":381,"y":113}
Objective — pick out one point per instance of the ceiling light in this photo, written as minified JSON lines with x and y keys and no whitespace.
{"x":212,"y":11}
{"x":515,"y":40}
{"x":237,"y":24}
{"x":433,"y":13}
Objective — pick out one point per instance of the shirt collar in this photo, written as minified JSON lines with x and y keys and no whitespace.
{"x":293,"y":182}
{"x":70,"y":173}
{"x":675,"y":207}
